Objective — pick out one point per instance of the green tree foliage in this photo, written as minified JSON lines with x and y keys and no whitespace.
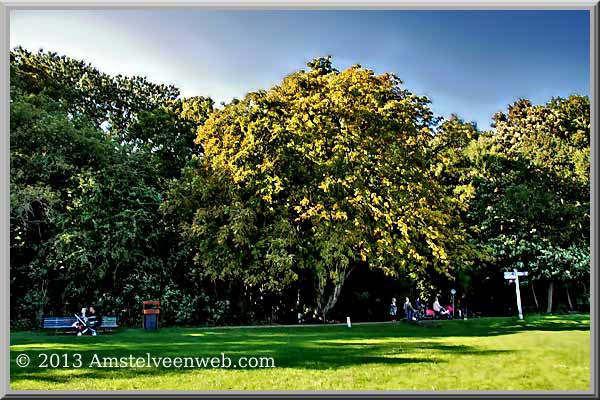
{"x":531,"y":176}
{"x":109,"y":239}
{"x":85,"y":226}
{"x":47,"y":150}
{"x":83,"y":215}
{"x":328,"y":171}
{"x":111,"y":102}
{"x":454,"y":143}
{"x":121,"y":191}
{"x":166,"y":135}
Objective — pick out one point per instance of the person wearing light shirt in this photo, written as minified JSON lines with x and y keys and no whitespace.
{"x":437,"y":308}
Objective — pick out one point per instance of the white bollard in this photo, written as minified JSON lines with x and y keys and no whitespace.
{"x":348,"y":322}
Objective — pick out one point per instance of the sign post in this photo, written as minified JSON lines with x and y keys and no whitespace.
{"x":518,"y":294}
{"x":514,"y":276}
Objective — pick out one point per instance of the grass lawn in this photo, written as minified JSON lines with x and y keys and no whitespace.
{"x":540,"y":353}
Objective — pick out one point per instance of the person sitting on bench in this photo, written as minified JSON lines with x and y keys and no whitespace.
{"x":93,"y":321}
{"x":80,"y":324}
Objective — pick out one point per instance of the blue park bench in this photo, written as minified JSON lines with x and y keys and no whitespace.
{"x":58,"y":323}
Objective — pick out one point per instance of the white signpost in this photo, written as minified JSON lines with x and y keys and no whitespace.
{"x":514,"y":276}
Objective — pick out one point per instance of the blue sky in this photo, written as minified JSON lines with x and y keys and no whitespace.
{"x":473,"y":63}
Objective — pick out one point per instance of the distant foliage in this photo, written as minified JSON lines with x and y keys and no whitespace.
{"x":108,"y":101}
{"x":89,"y":155}
{"x":122,"y":191}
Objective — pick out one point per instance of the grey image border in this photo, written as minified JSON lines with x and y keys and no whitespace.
{"x":7,"y":6}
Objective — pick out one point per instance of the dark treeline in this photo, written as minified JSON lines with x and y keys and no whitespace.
{"x":327,"y":194}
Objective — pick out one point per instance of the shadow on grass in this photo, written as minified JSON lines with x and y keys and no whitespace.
{"x":295,"y":354}
{"x":324,"y":362}
{"x":318,"y":348}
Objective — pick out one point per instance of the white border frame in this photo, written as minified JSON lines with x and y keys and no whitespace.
{"x":7,"y":6}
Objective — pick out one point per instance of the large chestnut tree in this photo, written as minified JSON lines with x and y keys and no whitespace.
{"x":327,"y":172}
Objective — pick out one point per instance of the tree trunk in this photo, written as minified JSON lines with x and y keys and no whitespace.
{"x":550,"y":292}
{"x":537,"y":304}
{"x":40,"y":314}
{"x":324,"y":309}
{"x":320,"y":290}
{"x":569,"y":298}
{"x":333,"y":298}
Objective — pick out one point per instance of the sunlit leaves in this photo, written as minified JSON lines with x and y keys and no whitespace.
{"x":344,"y":158}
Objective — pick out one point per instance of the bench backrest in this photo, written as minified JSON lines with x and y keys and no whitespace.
{"x":66,"y":322}
{"x":58,"y":322}
{"x":109,"y":322}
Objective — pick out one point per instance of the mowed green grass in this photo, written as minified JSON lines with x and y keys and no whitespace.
{"x":540,"y":353}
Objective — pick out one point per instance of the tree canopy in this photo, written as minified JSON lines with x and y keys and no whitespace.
{"x":123,"y":191}
{"x":327,"y":171}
